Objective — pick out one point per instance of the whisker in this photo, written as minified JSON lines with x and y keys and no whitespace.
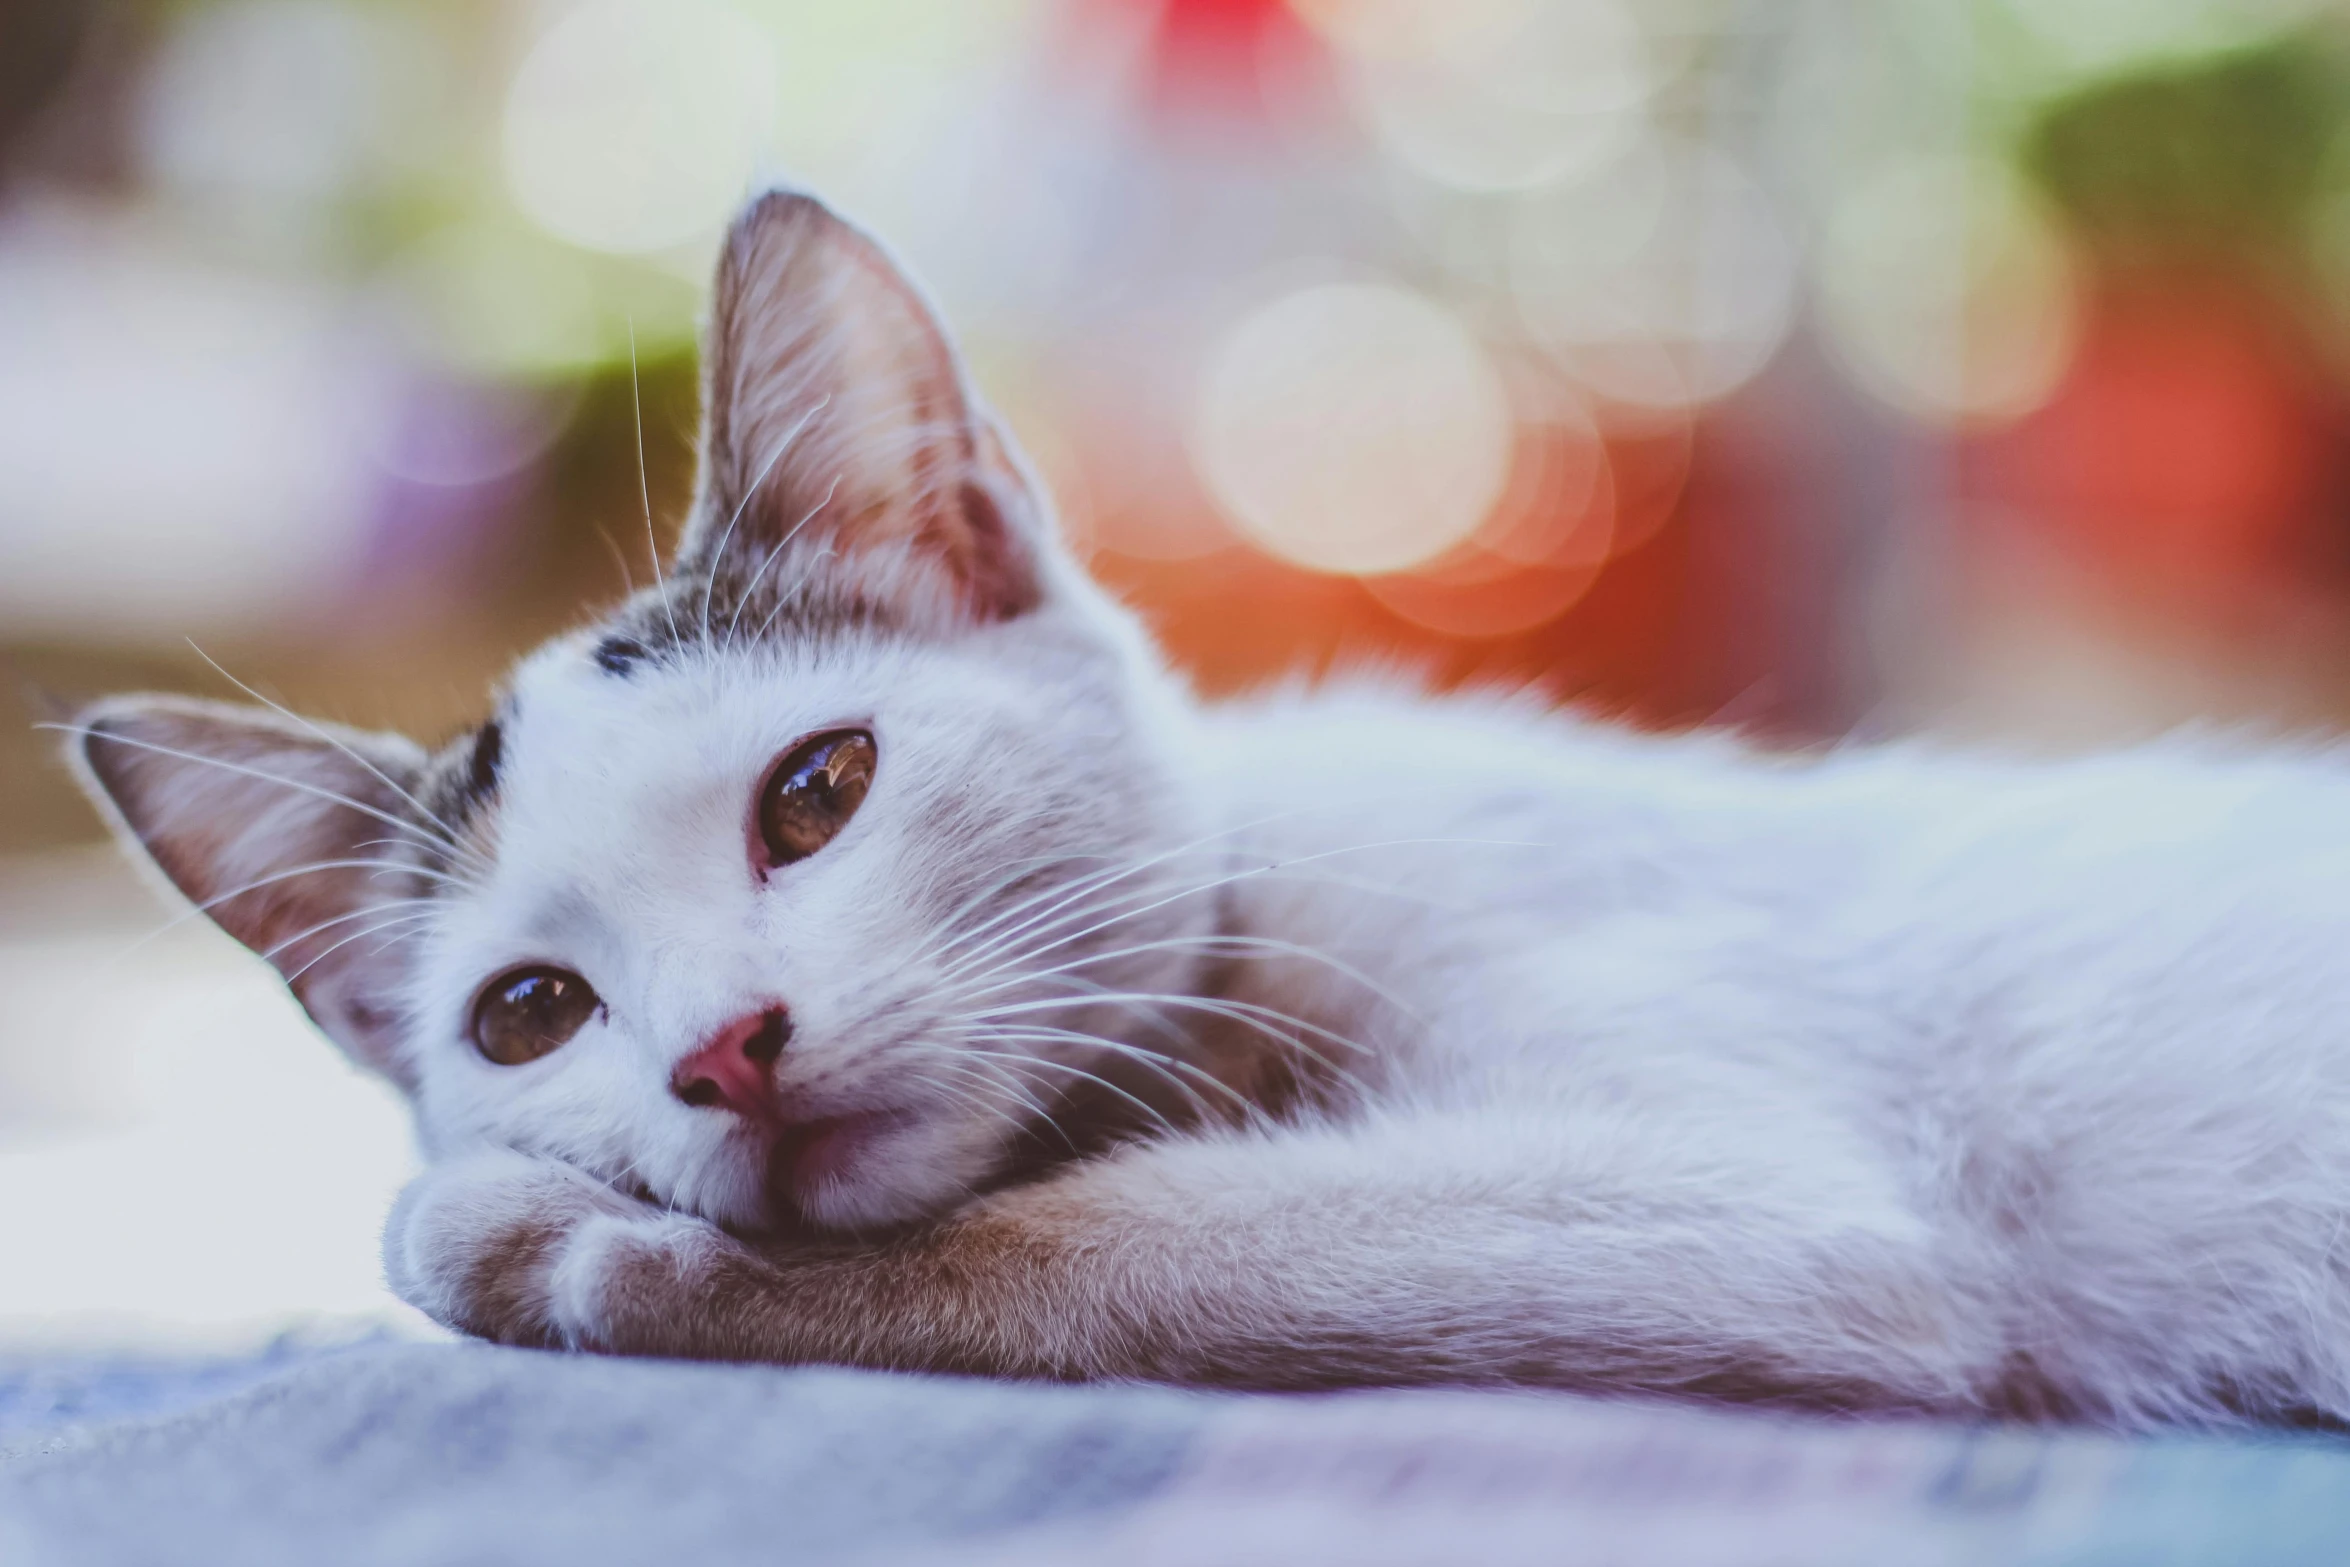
{"x":1239,"y":876}
{"x":785,"y":596}
{"x":413,"y":907}
{"x":373,"y":930}
{"x":1255,"y":1014}
{"x":398,"y":866}
{"x":612,"y":545}
{"x":1115,"y":873}
{"x":1001,"y":1077}
{"x":448,"y":834}
{"x":644,"y":483}
{"x":734,"y":623}
{"x":1260,"y":947}
{"x":1165,"y":1065}
{"x":1014,"y":1086}
{"x":1074,"y":893}
{"x":205,"y":907}
{"x":294,"y":784}
{"x":954,"y":932}
{"x":1011,"y":874}
{"x":1089,"y":884}
{"x":1350,"y":1079}
{"x":1090,"y":989}
{"x":967,"y":1097}
{"x":783,"y":445}
{"x":1060,"y":898}
{"x":1074,"y":1071}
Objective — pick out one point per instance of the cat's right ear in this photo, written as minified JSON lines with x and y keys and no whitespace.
{"x":843,"y":446}
{"x":279,"y":831}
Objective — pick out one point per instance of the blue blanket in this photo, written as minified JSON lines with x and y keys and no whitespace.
{"x":459,"y":1453}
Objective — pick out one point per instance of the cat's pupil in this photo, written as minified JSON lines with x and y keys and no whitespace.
{"x":814,"y":793}
{"x":528,"y":1014}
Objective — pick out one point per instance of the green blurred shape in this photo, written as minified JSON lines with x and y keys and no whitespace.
{"x":2219,"y":155}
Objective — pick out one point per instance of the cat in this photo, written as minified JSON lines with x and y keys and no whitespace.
{"x":858,"y":948}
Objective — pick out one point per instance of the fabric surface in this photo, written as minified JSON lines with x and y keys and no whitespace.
{"x":462,"y":1454}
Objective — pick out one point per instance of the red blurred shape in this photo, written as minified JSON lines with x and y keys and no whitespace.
{"x":2186,"y":448}
{"x":1208,"y":58}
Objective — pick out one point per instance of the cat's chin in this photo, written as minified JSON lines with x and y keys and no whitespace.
{"x":812,"y":1155}
{"x":874,"y":1169}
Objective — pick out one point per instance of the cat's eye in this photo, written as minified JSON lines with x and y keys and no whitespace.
{"x":813,"y":792}
{"x":526,"y":1014}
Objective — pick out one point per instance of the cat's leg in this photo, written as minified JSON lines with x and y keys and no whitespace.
{"x":1460,"y":1248}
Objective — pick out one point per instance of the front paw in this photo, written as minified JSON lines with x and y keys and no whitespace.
{"x":525,"y":1251}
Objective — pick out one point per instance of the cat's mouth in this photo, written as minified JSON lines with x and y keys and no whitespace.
{"x":808,"y":1155}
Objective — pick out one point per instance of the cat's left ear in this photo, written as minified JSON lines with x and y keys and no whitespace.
{"x":289,"y":835}
{"x":844,"y":450}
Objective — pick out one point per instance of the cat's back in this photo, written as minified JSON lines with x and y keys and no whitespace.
{"x":2185,"y":875}
{"x":1364,"y":761}
{"x":1328,"y":769}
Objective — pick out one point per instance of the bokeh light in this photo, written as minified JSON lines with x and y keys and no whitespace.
{"x":496,"y":300}
{"x":1508,"y":101}
{"x":1475,"y":600}
{"x":1415,"y":29}
{"x":633,"y":126}
{"x":1353,"y":427}
{"x":350,"y":98}
{"x":1667,"y":279}
{"x":183,"y":453}
{"x":1559,"y":508}
{"x":1948,"y":290}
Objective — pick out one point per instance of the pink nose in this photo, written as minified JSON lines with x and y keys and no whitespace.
{"x":736,"y":1069}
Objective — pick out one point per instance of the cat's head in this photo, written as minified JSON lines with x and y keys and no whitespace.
{"x":805,"y":882}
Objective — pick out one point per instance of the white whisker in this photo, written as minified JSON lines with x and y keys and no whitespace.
{"x":1078,"y":1072}
{"x":295,"y":784}
{"x":414,"y":906}
{"x":780,"y":544}
{"x":448,"y":834}
{"x":644,"y":483}
{"x":373,"y":930}
{"x":195,"y":909}
{"x":1165,"y":1065}
{"x":1252,"y":1013}
{"x":710,"y":566}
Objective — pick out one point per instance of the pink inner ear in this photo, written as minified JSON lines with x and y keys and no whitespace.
{"x":276,"y":832}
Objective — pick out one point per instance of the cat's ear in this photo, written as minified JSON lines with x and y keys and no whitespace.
{"x":842,"y":442}
{"x":286,"y":834}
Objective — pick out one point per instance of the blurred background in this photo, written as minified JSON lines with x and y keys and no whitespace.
{"x":1819,"y":367}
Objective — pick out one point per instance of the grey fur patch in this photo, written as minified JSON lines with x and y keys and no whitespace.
{"x":461,"y":781}
{"x":489,"y":749}
{"x":619,"y":654}
{"x":724,"y":609}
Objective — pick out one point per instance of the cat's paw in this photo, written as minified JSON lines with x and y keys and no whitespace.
{"x":527,"y":1251}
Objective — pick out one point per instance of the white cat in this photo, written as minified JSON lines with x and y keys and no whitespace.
{"x":858,"y":949}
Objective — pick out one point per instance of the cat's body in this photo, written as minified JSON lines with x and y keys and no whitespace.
{"x":963,"y":996}
{"x":2034,"y":1072}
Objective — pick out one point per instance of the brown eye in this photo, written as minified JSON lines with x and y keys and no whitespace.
{"x":813,"y":792}
{"x":524,"y":1015}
